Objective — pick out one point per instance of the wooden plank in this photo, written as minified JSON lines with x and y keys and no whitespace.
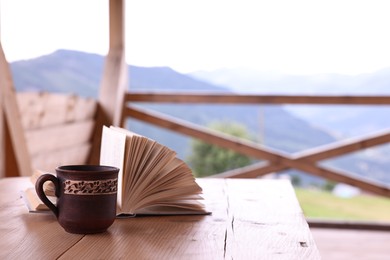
{"x":173,"y":237}
{"x":59,"y":137}
{"x":40,"y":235}
{"x":11,"y":166}
{"x":11,"y":114}
{"x":25,"y":235}
{"x":251,"y":219}
{"x":2,"y":131}
{"x":274,"y":226}
{"x":44,"y":109}
{"x":234,"y":98}
{"x":72,"y":155}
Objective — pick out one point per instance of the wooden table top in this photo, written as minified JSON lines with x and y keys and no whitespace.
{"x":251,"y":219}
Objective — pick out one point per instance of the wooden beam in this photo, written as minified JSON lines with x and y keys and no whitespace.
{"x":262,"y":168}
{"x":311,"y":168}
{"x":234,"y":98}
{"x":344,"y":146}
{"x":12,"y":116}
{"x":3,"y":126}
{"x":252,"y":171}
{"x":339,"y":176}
{"x":348,"y":224}
{"x":208,"y":135}
{"x":11,"y":163}
{"x":313,"y":155}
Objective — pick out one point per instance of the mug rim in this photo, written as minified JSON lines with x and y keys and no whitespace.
{"x":86,"y":168}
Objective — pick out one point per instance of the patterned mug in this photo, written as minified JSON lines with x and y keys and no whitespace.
{"x":86,"y":197}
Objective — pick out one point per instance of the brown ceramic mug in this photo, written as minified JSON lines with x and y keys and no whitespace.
{"x":86,"y":197}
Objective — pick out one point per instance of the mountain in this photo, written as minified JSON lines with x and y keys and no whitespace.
{"x":62,"y":72}
{"x":77,"y":72}
{"x":270,"y":82}
{"x":343,"y":121}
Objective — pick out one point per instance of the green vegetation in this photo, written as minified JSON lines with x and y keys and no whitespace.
{"x":323,"y":204}
{"x":207,"y":159}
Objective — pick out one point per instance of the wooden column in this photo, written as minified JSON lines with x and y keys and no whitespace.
{"x":15,"y":159}
{"x":115,"y":79}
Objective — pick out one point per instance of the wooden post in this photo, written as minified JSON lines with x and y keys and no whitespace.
{"x":115,"y":78}
{"x":2,"y":123}
{"x":15,"y":159}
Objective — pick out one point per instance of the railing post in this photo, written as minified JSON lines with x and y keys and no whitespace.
{"x":115,"y":77}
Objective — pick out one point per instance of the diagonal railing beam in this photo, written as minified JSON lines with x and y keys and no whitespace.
{"x":313,"y":155}
{"x":203,"y":133}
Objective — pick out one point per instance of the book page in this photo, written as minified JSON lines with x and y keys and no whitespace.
{"x":169,"y":195}
{"x":153,"y":180}
{"x":173,"y":210}
{"x":173,"y":175}
{"x":34,"y":203}
{"x":112,"y":153}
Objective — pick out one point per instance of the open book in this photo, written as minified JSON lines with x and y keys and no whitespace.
{"x":151,"y":180}
{"x":31,"y":198}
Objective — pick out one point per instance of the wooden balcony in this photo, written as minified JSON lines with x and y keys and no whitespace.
{"x":306,"y":161}
{"x":335,"y":239}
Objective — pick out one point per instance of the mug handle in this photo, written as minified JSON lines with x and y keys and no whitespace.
{"x":41,"y":194}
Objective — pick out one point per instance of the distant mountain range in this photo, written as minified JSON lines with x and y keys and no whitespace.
{"x":343,"y":121}
{"x":247,"y":80}
{"x":67,"y":71}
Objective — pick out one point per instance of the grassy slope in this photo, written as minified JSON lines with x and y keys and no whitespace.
{"x":320,"y":204}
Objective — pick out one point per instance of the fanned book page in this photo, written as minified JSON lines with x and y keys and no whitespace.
{"x":152,"y":179}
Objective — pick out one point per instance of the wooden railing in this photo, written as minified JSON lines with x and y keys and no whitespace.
{"x":306,"y":161}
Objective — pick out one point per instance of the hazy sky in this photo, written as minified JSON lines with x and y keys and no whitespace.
{"x":290,"y":36}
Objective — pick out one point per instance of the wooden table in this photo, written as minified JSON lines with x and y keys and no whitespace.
{"x":251,"y":219}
